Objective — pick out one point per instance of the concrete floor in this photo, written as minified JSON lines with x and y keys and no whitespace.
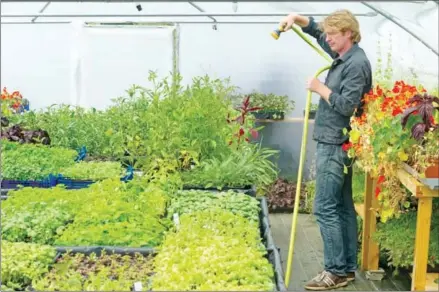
{"x":308,"y":255}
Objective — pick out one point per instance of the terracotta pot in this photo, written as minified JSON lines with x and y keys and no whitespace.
{"x":433,"y":170}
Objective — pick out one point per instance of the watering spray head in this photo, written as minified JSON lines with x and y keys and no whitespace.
{"x":276,"y":33}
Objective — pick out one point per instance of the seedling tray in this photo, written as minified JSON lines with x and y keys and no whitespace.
{"x":71,"y":184}
{"x":273,"y":254}
{"x":15,"y":184}
{"x":75,"y":184}
{"x":269,"y":115}
{"x":249,"y":190}
{"x":87,"y":250}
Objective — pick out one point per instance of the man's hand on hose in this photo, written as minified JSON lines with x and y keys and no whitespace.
{"x":318,"y":87}
{"x":293,"y":18}
{"x":288,"y":21}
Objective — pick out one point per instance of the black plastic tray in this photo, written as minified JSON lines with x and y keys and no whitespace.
{"x":249,"y":190}
{"x":272,"y":249}
{"x":87,"y":250}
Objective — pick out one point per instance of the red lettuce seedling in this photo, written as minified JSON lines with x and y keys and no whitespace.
{"x":422,"y":105}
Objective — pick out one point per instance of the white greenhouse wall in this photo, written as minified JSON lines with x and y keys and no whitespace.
{"x":58,"y":64}
{"x":252,"y":58}
{"x":35,"y":59}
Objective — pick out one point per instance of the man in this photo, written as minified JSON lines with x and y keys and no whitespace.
{"x":348,"y":79}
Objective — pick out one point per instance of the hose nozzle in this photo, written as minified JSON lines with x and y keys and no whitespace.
{"x":276,"y":33}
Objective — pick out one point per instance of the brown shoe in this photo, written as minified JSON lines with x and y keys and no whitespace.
{"x":350,"y":276}
{"x":326,"y":281}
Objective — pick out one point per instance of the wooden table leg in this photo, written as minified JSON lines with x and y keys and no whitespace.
{"x":423,"y":222}
{"x":369,"y":248}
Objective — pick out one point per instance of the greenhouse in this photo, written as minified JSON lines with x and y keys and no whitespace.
{"x":172,"y":146}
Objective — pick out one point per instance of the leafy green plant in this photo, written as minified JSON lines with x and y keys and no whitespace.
{"x":112,"y":133}
{"x":33,"y":161}
{"x":93,"y":170}
{"x":108,"y":272}
{"x":110,"y":217}
{"x":125,"y":227}
{"x":396,"y":239}
{"x":187,"y":122}
{"x":358,"y":181}
{"x":70,"y":126}
{"x":310,"y":194}
{"x":249,"y":166}
{"x":185,"y":202}
{"x":22,"y":263}
{"x":213,"y":250}
{"x":34,"y":222}
{"x":271,"y":102}
{"x":108,"y":212}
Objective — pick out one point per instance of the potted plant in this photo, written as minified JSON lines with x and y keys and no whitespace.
{"x":271,"y":106}
{"x":312,"y":111}
{"x":420,"y":118}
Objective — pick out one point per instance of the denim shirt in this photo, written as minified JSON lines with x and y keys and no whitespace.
{"x":349,"y":78}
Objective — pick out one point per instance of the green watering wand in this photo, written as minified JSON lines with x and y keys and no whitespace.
{"x":276,"y":34}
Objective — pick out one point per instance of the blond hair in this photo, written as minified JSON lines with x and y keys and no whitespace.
{"x":342,"y":21}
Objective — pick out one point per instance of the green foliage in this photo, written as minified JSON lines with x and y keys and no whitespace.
{"x":358,"y":185}
{"x":310,"y":191}
{"x":191,"y":119}
{"x":93,"y":170}
{"x":270,"y":102}
{"x":396,"y":238}
{"x":213,"y":250}
{"x":22,"y":263}
{"x":108,"y":133}
{"x":69,"y":126}
{"x":249,"y":166}
{"x":109,"y":212}
{"x":391,"y":139}
{"x":111,"y":217}
{"x":33,"y":161}
{"x":115,"y":224}
{"x":314,"y":107}
{"x":186,"y":202}
{"x":91,"y":273}
{"x":35,"y":222}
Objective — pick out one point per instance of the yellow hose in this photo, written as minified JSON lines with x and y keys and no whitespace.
{"x":276,"y":35}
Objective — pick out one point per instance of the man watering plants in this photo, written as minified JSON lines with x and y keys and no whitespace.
{"x":348,"y":79}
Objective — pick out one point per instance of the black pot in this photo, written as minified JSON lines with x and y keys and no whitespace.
{"x":312,"y":114}
{"x":269,"y":115}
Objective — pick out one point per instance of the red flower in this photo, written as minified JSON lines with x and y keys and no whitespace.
{"x":396,"y":111}
{"x":381,"y":179}
{"x":346,"y":146}
{"x":379,"y":90}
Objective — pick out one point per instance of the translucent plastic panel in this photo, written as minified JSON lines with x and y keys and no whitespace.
{"x":21,"y":7}
{"x":421,"y":17}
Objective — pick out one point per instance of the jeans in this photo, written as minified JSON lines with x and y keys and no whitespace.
{"x":334,"y":209}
